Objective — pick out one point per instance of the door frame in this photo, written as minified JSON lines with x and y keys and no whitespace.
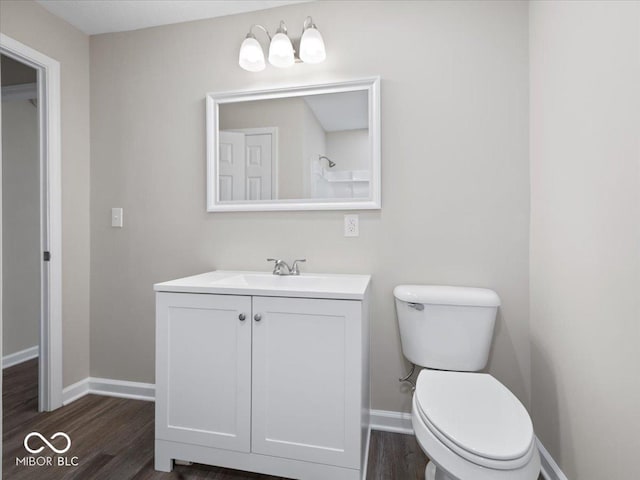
{"x":50,"y":345}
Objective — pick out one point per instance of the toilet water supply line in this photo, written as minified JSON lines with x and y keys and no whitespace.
{"x":407,"y":378}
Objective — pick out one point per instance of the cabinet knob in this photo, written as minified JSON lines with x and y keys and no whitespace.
{"x":257,"y":317}
{"x":242,"y":317}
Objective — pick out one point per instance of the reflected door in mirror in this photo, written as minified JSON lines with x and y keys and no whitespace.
{"x":246,"y":166}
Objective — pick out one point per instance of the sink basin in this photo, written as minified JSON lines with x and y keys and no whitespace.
{"x":313,"y":285}
{"x":265,"y":280}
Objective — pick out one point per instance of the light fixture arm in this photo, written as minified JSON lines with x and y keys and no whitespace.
{"x":257,"y":25}
{"x":282,"y":28}
{"x":306,"y":25}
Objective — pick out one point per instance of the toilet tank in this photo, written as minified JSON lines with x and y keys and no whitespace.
{"x":446,"y":328}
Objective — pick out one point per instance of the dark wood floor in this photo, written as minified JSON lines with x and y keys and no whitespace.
{"x":113,"y":440}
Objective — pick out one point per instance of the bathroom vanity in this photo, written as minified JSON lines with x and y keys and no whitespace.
{"x":264,"y":373}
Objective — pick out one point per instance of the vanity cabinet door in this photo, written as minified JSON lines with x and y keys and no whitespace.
{"x":203,"y":370}
{"x":307,"y":380}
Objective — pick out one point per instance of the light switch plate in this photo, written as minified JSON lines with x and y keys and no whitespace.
{"x":116,"y":217}
{"x":351,"y":226}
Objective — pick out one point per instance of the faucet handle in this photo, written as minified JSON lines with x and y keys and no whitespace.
{"x":277,"y":266}
{"x":294,"y":268}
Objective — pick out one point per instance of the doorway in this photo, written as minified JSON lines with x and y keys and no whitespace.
{"x":21,"y":289}
{"x":30,"y":252}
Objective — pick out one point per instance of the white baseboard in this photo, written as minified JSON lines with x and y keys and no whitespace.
{"x":110,"y":388}
{"x":387,"y":421}
{"x":549,"y":467}
{"x":21,"y":356}
{"x":75,"y":391}
{"x":122,"y":388}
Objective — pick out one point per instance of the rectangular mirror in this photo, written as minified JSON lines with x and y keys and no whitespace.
{"x":314,"y":147}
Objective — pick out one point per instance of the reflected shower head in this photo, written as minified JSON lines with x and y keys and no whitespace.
{"x":331,"y":163}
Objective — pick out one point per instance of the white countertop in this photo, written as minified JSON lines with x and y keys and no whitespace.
{"x":305,"y":285}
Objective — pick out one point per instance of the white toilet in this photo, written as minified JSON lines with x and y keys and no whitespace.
{"x":470,"y":425}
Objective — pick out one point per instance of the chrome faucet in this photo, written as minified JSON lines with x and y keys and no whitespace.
{"x":282,"y":268}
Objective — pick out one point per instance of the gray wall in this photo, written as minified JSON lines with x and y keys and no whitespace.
{"x":585,"y":235}
{"x":21,"y":227}
{"x":314,"y":143}
{"x":32,"y":25}
{"x":455,"y":171}
{"x":349,"y":149}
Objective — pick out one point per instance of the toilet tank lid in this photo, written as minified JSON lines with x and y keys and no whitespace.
{"x":443,"y":295}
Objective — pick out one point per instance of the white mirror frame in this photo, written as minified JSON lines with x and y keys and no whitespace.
{"x":214,"y":100}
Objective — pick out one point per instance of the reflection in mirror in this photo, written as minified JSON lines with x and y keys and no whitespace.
{"x":313,"y":147}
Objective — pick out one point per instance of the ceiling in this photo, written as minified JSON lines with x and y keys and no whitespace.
{"x":104,"y":16}
{"x":340,"y":111}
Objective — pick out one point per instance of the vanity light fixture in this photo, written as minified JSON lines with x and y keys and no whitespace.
{"x":311,"y":44}
{"x":281,"y":51}
{"x":281,"y":48}
{"x":251,"y":54}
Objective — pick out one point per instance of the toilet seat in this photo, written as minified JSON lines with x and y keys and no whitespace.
{"x":476,"y":417}
{"x":454,"y":466}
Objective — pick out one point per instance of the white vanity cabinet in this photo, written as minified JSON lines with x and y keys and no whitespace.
{"x":276,"y":384}
{"x":203,"y":370}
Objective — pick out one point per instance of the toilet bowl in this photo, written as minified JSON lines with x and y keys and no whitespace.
{"x":470,"y":425}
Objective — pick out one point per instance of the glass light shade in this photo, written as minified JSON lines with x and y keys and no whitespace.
{"x":251,"y":56}
{"x":312,"y":46}
{"x":281,"y":51}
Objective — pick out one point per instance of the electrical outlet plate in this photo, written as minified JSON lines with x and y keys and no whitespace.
{"x":351,"y":226}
